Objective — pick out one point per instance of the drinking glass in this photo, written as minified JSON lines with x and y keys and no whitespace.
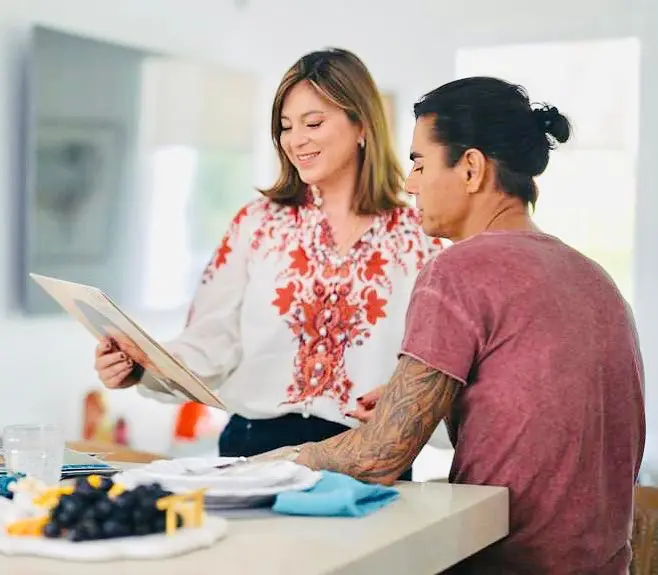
{"x":34,"y":450}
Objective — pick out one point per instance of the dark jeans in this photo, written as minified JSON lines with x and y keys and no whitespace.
{"x":247,"y":437}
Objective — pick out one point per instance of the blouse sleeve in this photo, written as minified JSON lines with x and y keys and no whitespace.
{"x":210,"y":344}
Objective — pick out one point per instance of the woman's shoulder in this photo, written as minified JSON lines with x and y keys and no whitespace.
{"x":258,"y":209}
{"x":408,"y":221}
{"x":408,"y":214}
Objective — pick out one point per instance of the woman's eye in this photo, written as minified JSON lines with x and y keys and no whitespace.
{"x":316,"y":125}
{"x":285,"y":128}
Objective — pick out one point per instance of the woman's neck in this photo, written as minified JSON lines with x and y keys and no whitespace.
{"x":337,"y":198}
{"x":338,"y":191}
{"x":336,"y":203}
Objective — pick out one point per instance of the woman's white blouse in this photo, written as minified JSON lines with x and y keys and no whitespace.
{"x":281,"y":324}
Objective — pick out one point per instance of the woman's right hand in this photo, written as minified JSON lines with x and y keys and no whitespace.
{"x":366,"y":404}
{"x":114,"y":367}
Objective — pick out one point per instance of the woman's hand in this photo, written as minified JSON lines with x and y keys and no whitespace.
{"x":365,"y":405}
{"x":114,"y":367}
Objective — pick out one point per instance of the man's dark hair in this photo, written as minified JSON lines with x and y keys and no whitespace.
{"x":497,"y":118}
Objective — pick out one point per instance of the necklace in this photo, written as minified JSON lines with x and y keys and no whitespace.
{"x":349,"y":239}
{"x":345,"y":249}
{"x":504,"y":213}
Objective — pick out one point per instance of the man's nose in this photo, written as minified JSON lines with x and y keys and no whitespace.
{"x":410,"y":186}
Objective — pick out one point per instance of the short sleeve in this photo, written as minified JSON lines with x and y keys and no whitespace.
{"x":439,"y":330}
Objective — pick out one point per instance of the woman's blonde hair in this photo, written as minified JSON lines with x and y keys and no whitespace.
{"x":342,"y":78}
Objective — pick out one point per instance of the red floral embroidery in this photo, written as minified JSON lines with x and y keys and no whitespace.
{"x":374,"y":306}
{"x":300,"y":261}
{"x":375,"y":266}
{"x":325,"y":324}
{"x":220,"y":257}
{"x":222,"y":252}
{"x":284,"y":298}
{"x":330,"y":305}
{"x":242,"y":212}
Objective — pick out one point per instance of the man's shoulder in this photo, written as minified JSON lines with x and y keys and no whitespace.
{"x":462,"y":253}
{"x":490,"y":247}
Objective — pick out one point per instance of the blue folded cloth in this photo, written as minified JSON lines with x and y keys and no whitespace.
{"x":5,"y":482}
{"x":336,"y":495}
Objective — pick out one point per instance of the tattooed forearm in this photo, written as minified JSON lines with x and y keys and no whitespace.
{"x":412,"y":405}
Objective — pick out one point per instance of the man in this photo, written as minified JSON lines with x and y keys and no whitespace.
{"x":522,"y":343}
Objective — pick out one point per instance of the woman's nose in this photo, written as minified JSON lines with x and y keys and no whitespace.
{"x":298,"y":138}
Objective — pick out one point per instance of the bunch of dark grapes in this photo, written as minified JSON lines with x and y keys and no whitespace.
{"x":91,"y":513}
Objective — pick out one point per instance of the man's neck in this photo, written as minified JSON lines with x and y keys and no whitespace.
{"x":508,"y":214}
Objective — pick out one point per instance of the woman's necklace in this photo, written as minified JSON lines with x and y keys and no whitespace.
{"x":342,"y":248}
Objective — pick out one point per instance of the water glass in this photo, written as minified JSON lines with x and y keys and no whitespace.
{"x":34,"y":450}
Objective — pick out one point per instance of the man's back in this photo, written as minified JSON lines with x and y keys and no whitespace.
{"x":553,"y":406}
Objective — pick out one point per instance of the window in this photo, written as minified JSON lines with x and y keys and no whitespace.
{"x":195,"y":194}
{"x":587,"y":194}
{"x":198,"y":147}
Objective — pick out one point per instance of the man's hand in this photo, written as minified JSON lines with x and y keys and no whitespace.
{"x":287,"y":453}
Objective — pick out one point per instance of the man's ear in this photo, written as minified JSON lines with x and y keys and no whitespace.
{"x":473,"y":168}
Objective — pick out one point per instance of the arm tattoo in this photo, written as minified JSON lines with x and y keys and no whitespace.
{"x":417,"y":398}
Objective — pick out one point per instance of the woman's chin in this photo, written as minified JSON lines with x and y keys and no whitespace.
{"x":311,"y":177}
{"x":309,"y":181}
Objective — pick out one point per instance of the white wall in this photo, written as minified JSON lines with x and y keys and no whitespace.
{"x":79,"y":81}
{"x":410,"y":47}
{"x":646,"y":246}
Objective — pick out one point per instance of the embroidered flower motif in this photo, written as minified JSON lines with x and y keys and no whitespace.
{"x":329,"y":302}
{"x":284,"y":299}
{"x":225,"y":248}
{"x":375,"y":266}
{"x":222,"y":252}
{"x":374,"y":306}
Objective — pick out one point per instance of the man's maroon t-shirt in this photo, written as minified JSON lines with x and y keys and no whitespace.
{"x":552,"y":405}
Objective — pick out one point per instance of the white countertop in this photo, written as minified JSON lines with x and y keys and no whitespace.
{"x":431,"y":527}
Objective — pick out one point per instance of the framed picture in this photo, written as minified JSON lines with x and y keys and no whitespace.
{"x":77,"y":176}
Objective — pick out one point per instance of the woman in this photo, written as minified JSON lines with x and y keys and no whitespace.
{"x":300,"y":311}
